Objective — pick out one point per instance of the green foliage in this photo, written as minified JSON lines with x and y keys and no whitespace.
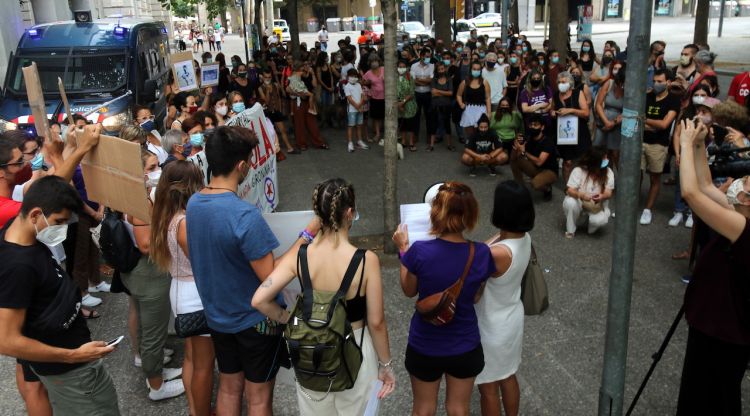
{"x":181,"y":8}
{"x":213,"y":7}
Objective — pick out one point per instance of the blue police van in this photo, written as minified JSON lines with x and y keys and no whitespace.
{"x":115,"y":62}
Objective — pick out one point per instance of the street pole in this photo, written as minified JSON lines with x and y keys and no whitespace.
{"x":244,"y":31}
{"x":504,"y":11}
{"x":721,"y":16}
{"x":269,"y":17}
{"x":546,"y":18}
{"x":612,"y":388}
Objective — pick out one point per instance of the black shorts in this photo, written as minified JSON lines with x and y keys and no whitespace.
{"x":428,"y":368}
{"x":29,"y":375}
{"x":507,"y":146}
{"x":408,"y":125}
{"x":257,"y":356}
{"x":377,"y":109}
{"x":275,"y":116}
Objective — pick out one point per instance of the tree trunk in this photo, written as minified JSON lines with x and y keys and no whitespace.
{"x":514,"y":15}
{"x":558,"y":27}
{"x":390,"y":133}
{"x":223,"y":18}
{"x":442,"y":14}
{"x":258,"y":7}
{"x":700,"y":32}
{"x":291,"y":8}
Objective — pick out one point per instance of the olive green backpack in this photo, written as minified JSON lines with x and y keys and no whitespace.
{"x":322,"y":348}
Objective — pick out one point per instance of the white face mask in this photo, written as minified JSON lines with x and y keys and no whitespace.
{"x":353,"y":80}
{"x":698,"y":99}
{"x":53,"y":234}
{"x":153,"y":178}
{"x":222,"y":110}
{"x":563,"y":87}
{"x":735,"y":189}
{"x":401,"y":71}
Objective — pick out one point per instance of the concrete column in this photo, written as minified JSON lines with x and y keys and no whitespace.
{"x":526,"y":14}
{"x":46,"y":11}
{"x":10,"y":34}
{"x":427,"y":15}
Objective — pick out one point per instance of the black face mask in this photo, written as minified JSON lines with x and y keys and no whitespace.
{"x":577,"y":79}
{"x":536,"y":82}
{"x":504,"y":110}
{"x":607,"y":60}
{"x":491,"y":65}
{"x":242,"y":74}
{"x":533,"y":132}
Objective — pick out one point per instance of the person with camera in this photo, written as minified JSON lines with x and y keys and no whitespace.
{"x":436,"y":268}
{"x":716,"y":300}
{"x":535,"y":155}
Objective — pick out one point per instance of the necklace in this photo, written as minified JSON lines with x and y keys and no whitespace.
{"x":214,"y":188}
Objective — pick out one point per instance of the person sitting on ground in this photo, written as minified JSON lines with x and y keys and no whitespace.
{"x":535,"y":155}
{"x":588,"y":192}
{"x":484,"y":149}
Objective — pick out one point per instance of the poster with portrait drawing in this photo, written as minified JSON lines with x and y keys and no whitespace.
{"x":184,"y":71}
{"x":567,"y":130}
{"x":209,"y":75}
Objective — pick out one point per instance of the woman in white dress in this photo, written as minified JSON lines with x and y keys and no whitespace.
{"x":500,"y":311}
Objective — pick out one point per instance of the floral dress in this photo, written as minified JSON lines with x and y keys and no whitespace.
{"x":405,"y":88}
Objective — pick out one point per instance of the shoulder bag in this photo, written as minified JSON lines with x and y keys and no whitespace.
{"x":534,"y":288}
{"x":439,"y":308}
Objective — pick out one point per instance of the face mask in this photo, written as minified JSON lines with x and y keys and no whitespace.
{"x":607,"y":60}
{"x":481,"y":55}
{"x":500,"y":60}
{"x":426,"y":60}
{"x":525,"y":49}
{"x":533,"y":132}
{"x":660,"y":88}
{"x":196,"y":139}
{"x":221,"y":110}
{"x":734,"y":191}
{"x":152,"y":178}
{"x":267,"y":81}
{"x":505,"y":109}
{"x":605,"y":163}
{"x":476,"y":73}
{"x":541,"y":62}
{"x":615,"y":71}
{"x":473,"y":36}
{"x":563,"y":87}
{"x":698,"y":100}
{"x":187,"y":148}
{"x":338,"y":59}
{"x":706,"y":119}
{"x":459,"y":49}
{"x":273,"y":50}
{"x":446,"y":62}
{"x":555,"y":59}
{"x":192,"y":109}
{"x":242,"y":74}
{"x":53,"y":234}
{"x":490,"y":65}
{"x":353,"y":80}
{"x":536,"y":82}
{"x":148,"y":125}
{"x":685,"y":60}
{"x":513,"y":60}
{"x":585,"y":48}
{"x":235,"y":64}
{"x":401,"y":71}
{"x":374,"y":65}
{"x":37,"y":162}
{"x":238,"y":107}
{"x":23,"y":175}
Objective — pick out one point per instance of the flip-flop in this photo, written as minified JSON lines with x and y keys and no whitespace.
{"x":90,"y":314}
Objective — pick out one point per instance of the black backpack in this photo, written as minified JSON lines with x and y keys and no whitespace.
{"x":116,"y":244}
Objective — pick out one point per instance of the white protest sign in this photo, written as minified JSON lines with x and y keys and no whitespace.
{"x":260,"y":188}
{"x":567,"y":130}
{"x":200,"y":160}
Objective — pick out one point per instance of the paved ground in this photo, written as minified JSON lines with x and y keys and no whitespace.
{"x":562,"y":358}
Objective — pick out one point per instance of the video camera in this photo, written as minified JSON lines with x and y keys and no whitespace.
{"x":727,"y":162}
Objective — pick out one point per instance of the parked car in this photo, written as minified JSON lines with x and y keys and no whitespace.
{"x":487,"y":20}
{"x":416,"y":30}
{"x":281,"y":27}
{"x":463,"y":26}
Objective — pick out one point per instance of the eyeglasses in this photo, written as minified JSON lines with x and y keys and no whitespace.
{"x":19,"y":162}
{"x":33,"y":152}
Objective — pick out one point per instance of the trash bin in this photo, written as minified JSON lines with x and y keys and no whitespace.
{"x":347,"y":24}
{"x":312,"y":25}
{"x":333,"y":24}
{"x":360,"y":24}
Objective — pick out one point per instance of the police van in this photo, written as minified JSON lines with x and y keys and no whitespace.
{"x":106,"y":66}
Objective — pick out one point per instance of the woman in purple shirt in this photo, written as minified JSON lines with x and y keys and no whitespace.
{"x":428,"y":267}
{"x":536,"y":97}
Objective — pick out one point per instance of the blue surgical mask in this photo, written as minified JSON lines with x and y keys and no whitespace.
{"x":459,"y":49}
{"x":605,"y":163}
{"x":481,"y":55}
{"x":446,"y":62}
{"x":37,"y":162}
{"x":513,"y":60}
{"x":196,"y":139}
{"x":187,"y":148}
{"x":426,"y":60}
{"x":525,"y":49}
{"x":148,"y":125}
{"x":475,"y":73}
{"x":238,"y":107}
{"x":555,"y":59}
{"x":585,"y":48}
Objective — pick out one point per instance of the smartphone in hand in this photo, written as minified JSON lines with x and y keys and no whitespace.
{"x":114,"y":342}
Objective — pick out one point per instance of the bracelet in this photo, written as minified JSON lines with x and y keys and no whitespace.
{"x":305,"y":235}
{"x":385,"y":365}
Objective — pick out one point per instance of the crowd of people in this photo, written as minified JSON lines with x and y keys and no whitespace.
{"x":206,"y":256}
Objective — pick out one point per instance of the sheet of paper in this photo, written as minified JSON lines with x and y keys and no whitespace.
{"x":417,"y":219}
{"x":373,"y":403}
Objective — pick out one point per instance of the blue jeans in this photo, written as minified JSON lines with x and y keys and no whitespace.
{"x":679,"y":204}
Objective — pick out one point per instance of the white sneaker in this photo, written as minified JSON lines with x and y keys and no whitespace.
{"x":381,"y":142}
{"x":676,"y":219}
{"x":689,"y":221}
{"x":90,"y":301}
{"x":362,"y":145}
{"x":350,"y":147}
{"x":400,"y":150}
{"x":646,"y":217}
{"x":139,"y":363}
{"x":168,"y":374}
{"x":101,"y":287}
{"x":167,"y":390}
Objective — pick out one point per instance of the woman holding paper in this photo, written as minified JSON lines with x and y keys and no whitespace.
{"x":570,"y":116}
{"x":328,"y":257}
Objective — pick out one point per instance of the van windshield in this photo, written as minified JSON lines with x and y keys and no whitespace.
{"x":87,"y":71}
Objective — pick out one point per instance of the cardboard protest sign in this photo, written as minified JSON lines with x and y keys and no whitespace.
{"x":209,"y":75}
{"x":114,"y":177}
{"x":183,"y":69}
{"x":36,"y":99}
{"x":200,"y":160}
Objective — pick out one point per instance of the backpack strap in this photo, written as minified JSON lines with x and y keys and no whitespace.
{"x":303,"y":273}
{"x":359,"y":257}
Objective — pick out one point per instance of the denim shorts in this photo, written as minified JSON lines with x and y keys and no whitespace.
{"x":355,"y":119}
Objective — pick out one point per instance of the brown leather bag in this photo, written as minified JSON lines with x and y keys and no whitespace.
{"x":439,"y":308}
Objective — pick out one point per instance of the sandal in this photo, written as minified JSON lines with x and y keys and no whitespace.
{"x":90,"y":314}
{"x":412,"y":148}
{"x":323,"y":147}
{"x":683,"y":255}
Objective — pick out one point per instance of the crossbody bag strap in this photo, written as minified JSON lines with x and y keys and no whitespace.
{"x":456,"y":288}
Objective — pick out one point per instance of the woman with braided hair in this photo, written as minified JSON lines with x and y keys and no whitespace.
{"x":328,"y":257}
